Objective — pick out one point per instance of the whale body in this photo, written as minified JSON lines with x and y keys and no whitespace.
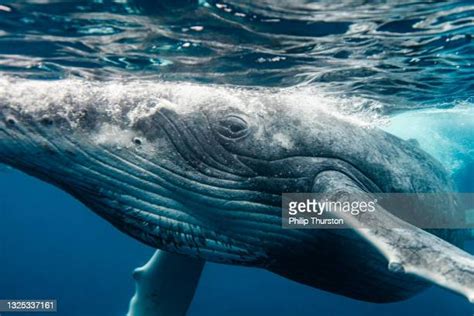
{"x":199,"y":171}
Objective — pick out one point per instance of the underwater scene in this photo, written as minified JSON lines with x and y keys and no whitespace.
{"x":128,"y":126}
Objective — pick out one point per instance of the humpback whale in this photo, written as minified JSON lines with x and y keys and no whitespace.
{"x":198,"y":172}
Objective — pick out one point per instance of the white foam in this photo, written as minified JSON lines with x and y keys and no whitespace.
{"x":144,"y":97}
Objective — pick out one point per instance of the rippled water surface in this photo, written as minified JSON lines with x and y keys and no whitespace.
{"x":406,"y":54}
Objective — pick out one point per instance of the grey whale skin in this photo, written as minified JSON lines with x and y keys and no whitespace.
{"x":198,"y":171}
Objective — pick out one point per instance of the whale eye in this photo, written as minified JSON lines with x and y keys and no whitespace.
{"x":233,"y":127}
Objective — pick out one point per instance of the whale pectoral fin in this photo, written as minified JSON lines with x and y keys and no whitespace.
{"x":408,"y":249}
{"x":165,"y":285}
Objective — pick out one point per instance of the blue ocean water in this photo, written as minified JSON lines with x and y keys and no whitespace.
{"x":397,"y":59}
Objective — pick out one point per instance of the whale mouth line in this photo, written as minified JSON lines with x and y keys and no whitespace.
{"x":338,"y":164}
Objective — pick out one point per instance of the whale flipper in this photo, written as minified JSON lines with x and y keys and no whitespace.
{"x":165,"y":285}
{"x":408,"y":249}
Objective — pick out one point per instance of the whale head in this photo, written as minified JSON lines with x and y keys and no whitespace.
{"x":191,"y":169}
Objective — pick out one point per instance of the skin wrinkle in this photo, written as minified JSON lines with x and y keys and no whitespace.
{"x":216,"y":146}
{"x":196,"y":163}
{"x":127,"y":176}
{"x":229,"y":184}
{"x":248,"y":214}
{"x":24,"y":137}
{"x":191,"y":159}
{"x":200,"y":185}
{"x":192,"y":177}
{"x":91,"y":170}
{"x":139,"y":219}
{"x":150,"y":205}
{"x":276,"y":228}
{"x":236,"y":212}
{"x":372,"y":183}
{"x":180,"y":189}
{"x":202,"y":225}
{"x":173,"y":142}
{"x":50,"y":171}
{"x":223,"y":255}
{"x":207,"y":235}
{"x":189,"y":139}
{"x":173,"y":223}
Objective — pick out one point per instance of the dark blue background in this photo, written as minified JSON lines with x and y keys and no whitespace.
{"x":53,"y":247}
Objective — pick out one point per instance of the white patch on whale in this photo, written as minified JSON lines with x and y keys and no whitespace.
{"x":113,"y":135}
{"x":283,"y":140}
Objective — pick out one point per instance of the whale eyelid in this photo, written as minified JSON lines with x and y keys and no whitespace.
{"x":233,"y":126}
{"x":235,"y":123}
